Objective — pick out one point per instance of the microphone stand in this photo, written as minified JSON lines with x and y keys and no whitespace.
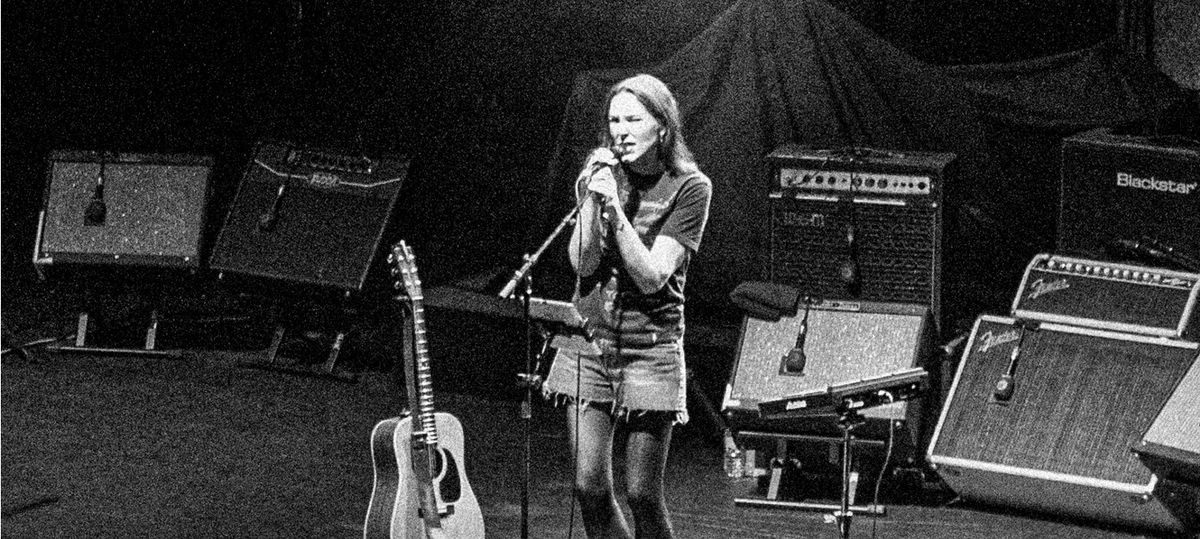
{"x":530,"y":380}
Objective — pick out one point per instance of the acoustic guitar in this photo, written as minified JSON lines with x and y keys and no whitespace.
{"x":420,"y":489}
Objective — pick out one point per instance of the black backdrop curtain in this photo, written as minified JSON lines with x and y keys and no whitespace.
{"x":772,"y":72}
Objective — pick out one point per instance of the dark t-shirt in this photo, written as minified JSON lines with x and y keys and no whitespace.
{"x":669,"y":205}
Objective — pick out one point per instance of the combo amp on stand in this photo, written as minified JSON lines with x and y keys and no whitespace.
{"x":308,"y":225}
{"x":121,"y":220}
{"x":796,"y":377}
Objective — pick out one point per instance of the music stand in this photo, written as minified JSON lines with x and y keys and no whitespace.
{"x":563,"y":326}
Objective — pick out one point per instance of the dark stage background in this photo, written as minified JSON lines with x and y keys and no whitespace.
{"x":491,"y":99}
{"x":483,"y":96}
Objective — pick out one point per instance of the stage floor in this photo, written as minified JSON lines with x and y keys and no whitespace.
{"x":198,"y":446}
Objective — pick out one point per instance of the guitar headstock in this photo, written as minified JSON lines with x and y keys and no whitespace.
{"x":404,"y":266}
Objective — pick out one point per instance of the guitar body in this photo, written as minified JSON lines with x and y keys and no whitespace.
{"x":394,"y":511}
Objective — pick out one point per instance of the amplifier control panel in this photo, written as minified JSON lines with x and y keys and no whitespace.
{"x":844,"y":181}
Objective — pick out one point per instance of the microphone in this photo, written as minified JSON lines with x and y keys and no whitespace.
{"x":601,"y":169}
{"x":1154,"y":250}
{"x":849,"y":271}
{"x":796,"y":360}
{"x":96,"y":211}
{"x":267,"y":220}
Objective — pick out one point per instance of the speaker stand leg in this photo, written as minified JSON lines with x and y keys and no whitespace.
{"x":81,"y":329}
{"x":276,"y":342}
{"x":334,"y":351}
{"x":147,"y":350}
{"x":327,"y":369}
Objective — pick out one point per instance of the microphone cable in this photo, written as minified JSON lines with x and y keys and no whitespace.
{"x":578,"y":372}
{"x":887,"y":458}
{"x":850,"y":270}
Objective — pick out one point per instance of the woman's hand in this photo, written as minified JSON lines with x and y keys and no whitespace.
{"x":603,"y":182}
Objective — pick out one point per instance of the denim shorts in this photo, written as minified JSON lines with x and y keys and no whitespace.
{"x":630,"y":379}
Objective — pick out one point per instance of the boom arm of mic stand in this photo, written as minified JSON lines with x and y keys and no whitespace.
{"x":531,"y":260}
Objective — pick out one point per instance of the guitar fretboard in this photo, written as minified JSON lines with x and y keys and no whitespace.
{"x":424,"y":375}
{"x":406,"y":266}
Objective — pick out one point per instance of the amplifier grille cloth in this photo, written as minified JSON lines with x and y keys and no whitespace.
{"x":896,"y":249}
{"x":841,"y":346}
{"x":152,"y":209}
{"x":1081,"y":402}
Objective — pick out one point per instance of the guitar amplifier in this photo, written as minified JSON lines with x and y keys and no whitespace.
{"x":858,"y":224}
{"x":1107,"y":295}
{"x":123,"y":208}
{"x":1124,"y":187}
{"x":1171,"y":447}
{"x":309,"y":217}
{"x":844,"y":341}
{"x":1060,"y":442}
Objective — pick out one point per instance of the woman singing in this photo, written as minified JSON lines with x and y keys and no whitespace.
{"x":644,"y":206}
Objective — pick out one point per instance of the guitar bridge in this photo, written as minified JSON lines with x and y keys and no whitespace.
{"x":444,"y":511}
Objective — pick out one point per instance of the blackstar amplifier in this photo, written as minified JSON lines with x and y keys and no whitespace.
{"x":309,"y":216}
{"x":123,"y":208}
{"x":1124,"y":187}
{"x":858,"y":224}
{"x":1107,"y":295}
{"x":1057,"y":440}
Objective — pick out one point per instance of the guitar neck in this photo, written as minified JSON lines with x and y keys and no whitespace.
{"x":424,"y":376}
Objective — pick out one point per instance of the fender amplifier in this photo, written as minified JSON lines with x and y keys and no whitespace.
{"x":837,"y":341}
{"x":123,"y":208}
{"x":1059,"y":442}
{"x":1124,"y":187}
{"x":1107,"y":295}
{"x":310,"y":217}
{"x":858,"y":224}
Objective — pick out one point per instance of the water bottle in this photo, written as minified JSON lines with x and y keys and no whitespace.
{"x":735,"y":462}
